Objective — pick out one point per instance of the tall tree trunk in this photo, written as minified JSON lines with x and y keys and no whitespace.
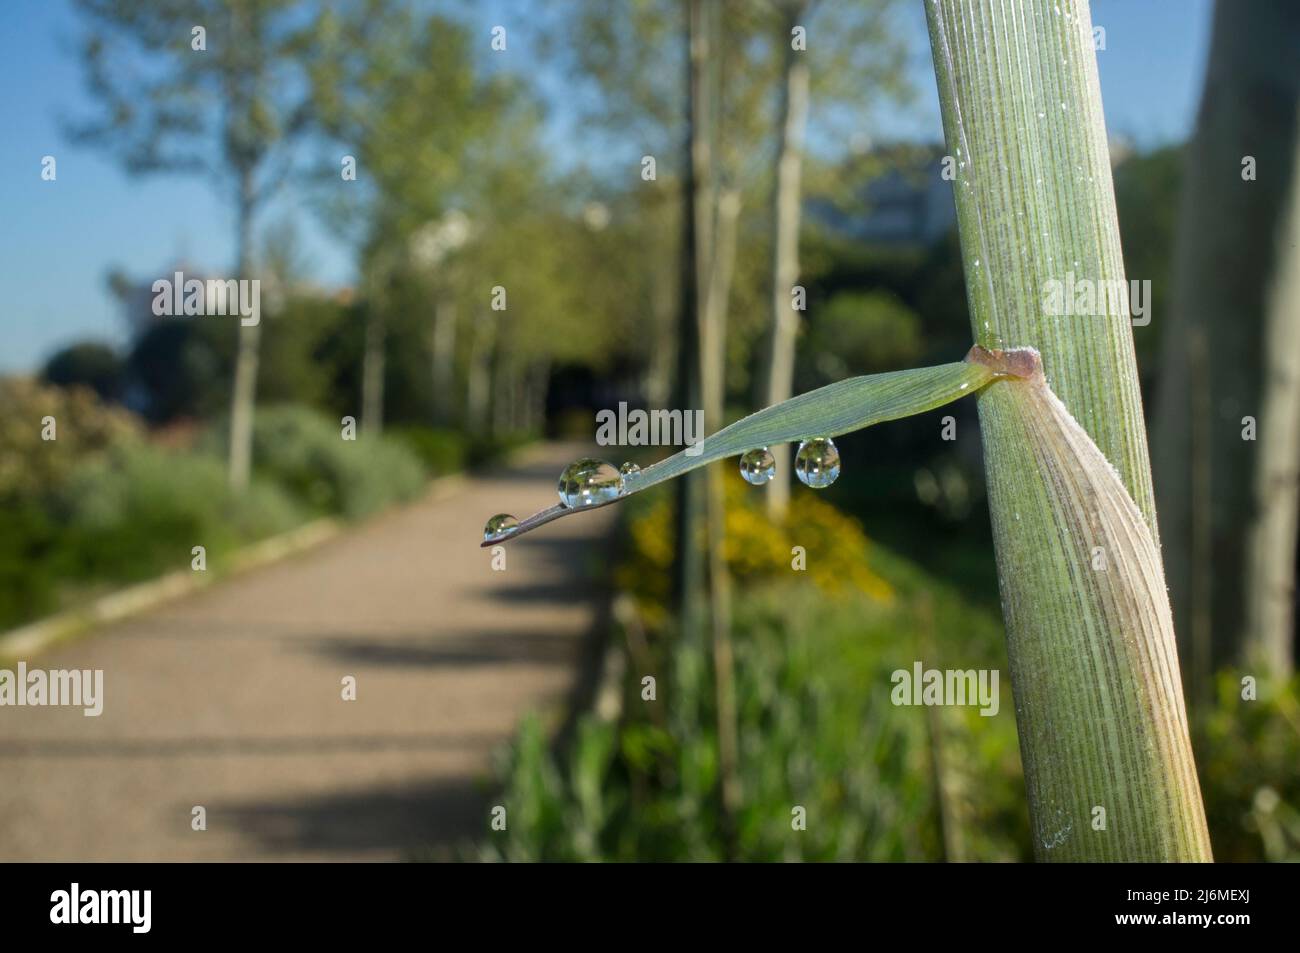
{"x":478,"y":383}
{"x":539,"y":376}
{"x":443,"y":348}
{"x":243,"y":393}
{"x":715,"y":268}
{"x":688,"y":577}
{"x":657,"y":382}
{"x":713,"y":333}
{"x":1228,"y":503}
{"x":372,"y":369}
{"x":776,"y":381}
{"x":503,"y":391}
{"x":713,"y":326}
{"x":1271,"y":540}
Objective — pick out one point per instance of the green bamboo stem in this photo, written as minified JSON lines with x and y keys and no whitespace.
{"x":1093,"y":663}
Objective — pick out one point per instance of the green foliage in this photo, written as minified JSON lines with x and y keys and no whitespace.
{"x":30,"y":465}
{"x":1071,"y":635}
{"x":817,"y":728}
{"x":88,"y":364}
{"x":28,"y":586}
{"x":817,"y":731}
{"x":440,"y":450}
{"x":138,"y":510}
{"x":179,"y":367}
{"x":100,"y":505}
{"x":1146,"y":199}
{"x":757,"y":550}
{"x":1250,"y":770}
{"x":305,"y":453}
{"x":299,"y":362}
{"x":238,"y":94}
{"x":863,"y":332}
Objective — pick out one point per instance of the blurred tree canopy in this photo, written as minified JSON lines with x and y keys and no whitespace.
{"x":90,"y":364}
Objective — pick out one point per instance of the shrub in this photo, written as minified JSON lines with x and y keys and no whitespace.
{"x":31,"y":466}
{"x":304,"y":452}
{"x":757,"y":549}
{"x":441,"y":450}
{"x":139,"y":510}
{"x":27,"y":581}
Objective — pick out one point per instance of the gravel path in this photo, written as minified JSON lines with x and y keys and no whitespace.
{"x":231,"y":699}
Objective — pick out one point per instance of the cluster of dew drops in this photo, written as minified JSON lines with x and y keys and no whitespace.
{"x":589,"y":482}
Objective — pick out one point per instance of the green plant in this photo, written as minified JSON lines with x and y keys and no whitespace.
{"x":757,"y":550}
{"x":138,"y":511}
{"x":440,"y":450}
{"x":862,"y":770}
{"x":47,"y":431}
{"x":1089,"y":631}
{"x":306,"y":453}
{"x":1251,"y":770}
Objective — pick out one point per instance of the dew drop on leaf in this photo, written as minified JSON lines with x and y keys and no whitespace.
{"x":817,"y":463}
{"x":586,"y":482}
{"x":757,"y":466}
{"x":499,"y":527}
{"x":631,"y":473}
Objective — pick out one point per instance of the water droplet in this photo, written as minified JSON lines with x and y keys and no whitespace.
{"x":631,"y":474}
{"x":499,"y":527}
{"x":757,"y":466}
{"x":586,"y":482}
{"x":817,"y":463}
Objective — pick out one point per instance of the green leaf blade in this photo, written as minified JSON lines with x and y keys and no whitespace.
{"x":829,"y":411}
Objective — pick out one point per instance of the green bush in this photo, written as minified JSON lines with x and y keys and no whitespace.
{"x":28,"y":585}
{"x":33,"y":472}
{"x":442,"y":451}
{"x":493,"y":447}
{"x":138,"y":511}
{"x":305,"y":453}
{"x":32,"y":466}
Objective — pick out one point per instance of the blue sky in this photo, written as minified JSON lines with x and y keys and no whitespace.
{"x":59,"y":239}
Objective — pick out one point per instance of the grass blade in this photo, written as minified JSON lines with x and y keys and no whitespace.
{"x":829,"y":411}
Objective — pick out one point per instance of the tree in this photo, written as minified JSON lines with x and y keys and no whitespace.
{"x":1231,"y":355}
{"x":439,"y":193}
{"x":221,"y":96}
{"x":88,"y":364}
{"x":843,"y":40}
